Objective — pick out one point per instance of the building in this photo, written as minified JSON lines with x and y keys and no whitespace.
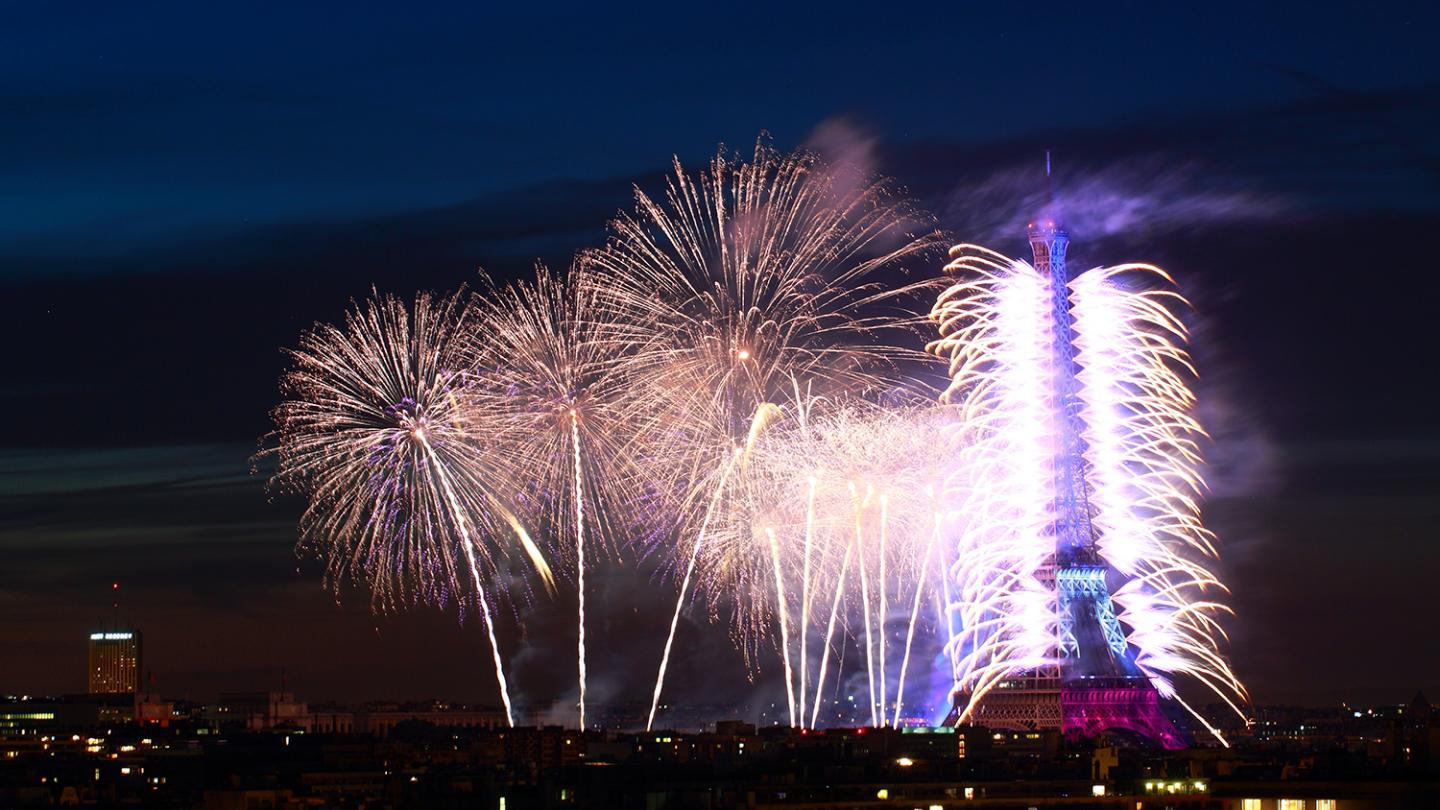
{"x":330,"y":718}
{"x":380,"y":719}
{"x":114,"y":662}
{"x":258,"y":711}
{"x":152,"y":710}
{"x":22,"y":717}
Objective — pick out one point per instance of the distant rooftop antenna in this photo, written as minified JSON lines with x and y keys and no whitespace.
{"x":1049,"y":188}
{"x":1047,"y":223}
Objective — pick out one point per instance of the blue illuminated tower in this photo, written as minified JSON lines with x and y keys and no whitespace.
{"x":1092,"y":643}
{"x":1095,"y":685}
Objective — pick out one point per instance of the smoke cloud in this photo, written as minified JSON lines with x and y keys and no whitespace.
{"x":1151,"y":193}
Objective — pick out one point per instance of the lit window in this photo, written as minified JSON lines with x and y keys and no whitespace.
{"x":1325,"y":804}
{"x":1249,"y":804}
{"x":1292,"y":804}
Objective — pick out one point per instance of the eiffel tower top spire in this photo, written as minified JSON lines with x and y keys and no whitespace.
{"x":1074,"y":535}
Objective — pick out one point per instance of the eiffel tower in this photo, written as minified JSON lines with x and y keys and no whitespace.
{"x":1094,"y":686}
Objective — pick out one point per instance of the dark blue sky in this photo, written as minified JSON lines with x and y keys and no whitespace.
{"x":133,"y":127}
{"x":185,"y":187}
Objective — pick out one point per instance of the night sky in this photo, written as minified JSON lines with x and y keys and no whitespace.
{"x":184,"y":188}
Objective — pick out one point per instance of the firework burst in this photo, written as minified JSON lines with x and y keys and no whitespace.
{"x":1144,"y":454}
{"x":846,"y":519}
{"x":550,"y":379}
{"x":735,"y":379}
{"x":373,"y":431}
{"x":749,"y":277}
{"x":999,"y":332}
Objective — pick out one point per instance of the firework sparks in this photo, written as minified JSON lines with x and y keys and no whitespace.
{"x":1145,"y":480}
{"x":996,"y":335}
{"x":713,"y":377}
{"x":846,"y":502}
{"x":549,"y":380}
{"x":747,"y":277}
{"x":998,"y":330}
{"x":374,"y":433}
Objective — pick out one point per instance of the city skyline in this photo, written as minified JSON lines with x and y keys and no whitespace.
{"x":149,"y":331}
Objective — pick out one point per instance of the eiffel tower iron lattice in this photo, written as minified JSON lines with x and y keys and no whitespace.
{"x":1078,"y":594}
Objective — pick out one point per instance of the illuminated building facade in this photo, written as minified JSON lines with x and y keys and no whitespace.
{"x":114,"y":662}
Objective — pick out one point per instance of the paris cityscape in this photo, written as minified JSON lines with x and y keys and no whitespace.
{"x":906,"y":417}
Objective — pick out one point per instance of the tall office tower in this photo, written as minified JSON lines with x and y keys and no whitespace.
{"x":114,"y":662}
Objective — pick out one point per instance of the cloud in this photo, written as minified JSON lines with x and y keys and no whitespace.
{"x":1143,"y":180}
{"x":152,"y":517}
{"x":1134,"y":179}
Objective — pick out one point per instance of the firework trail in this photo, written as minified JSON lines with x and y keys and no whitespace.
{"x":998,"y":332}
{"x":549,"y":378}
{"x":1145,"y":479}
{"x":867,"y":623}
{"x":374,"y":433}
{"x":782,"y":611}
{"x":940,"y":519}
{"x":995,"y":334}
{"x":841,"y":492}
{"x":855,"y":489}
{"x":742,"y":279}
